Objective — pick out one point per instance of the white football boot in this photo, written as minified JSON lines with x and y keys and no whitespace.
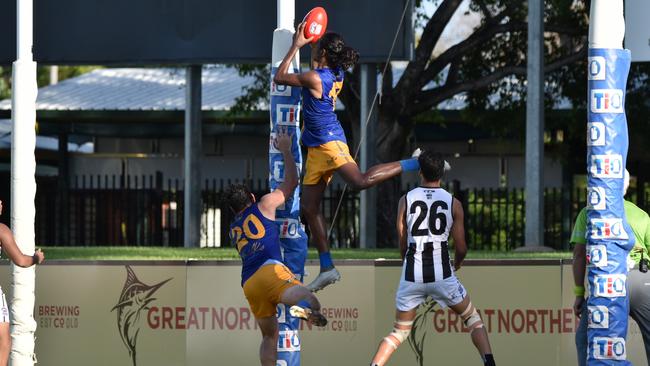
{"x":324,"y":279}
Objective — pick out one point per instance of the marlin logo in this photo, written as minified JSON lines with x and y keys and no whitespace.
{"x":419,"y":331}
{"x":135,"y":298}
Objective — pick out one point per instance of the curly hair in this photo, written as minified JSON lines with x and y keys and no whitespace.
{"x":337,"y":53}
{"x":237,"y":197}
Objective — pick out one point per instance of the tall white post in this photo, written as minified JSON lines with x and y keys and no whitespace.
{"x":286,"y":14}
{"x":23,"y":185}
{"x":606,"y":24}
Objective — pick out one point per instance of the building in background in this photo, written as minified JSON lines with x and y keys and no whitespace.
{"x":133,"y":120}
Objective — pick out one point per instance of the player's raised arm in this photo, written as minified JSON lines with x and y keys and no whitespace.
{"x":401,"y":226}
{"x":308,"y":79}
{"x":13,"y":252}
{"x":271,"y":201}
{"x":458,"y":233}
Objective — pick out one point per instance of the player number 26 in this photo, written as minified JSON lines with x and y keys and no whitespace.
{"x":437,"y":218}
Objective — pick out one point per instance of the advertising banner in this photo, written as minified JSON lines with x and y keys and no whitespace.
{"x":110,"y":314}
{"x":521,"y":308}
{"x":236,"y":339}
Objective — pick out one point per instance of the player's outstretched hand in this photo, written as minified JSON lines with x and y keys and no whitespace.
{"x":39,"y":256}
{"x":283,"y":141}
{"x":299,"y":39}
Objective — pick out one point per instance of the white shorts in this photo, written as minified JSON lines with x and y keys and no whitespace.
{"x":447,"y":292}
{"x":4,"y":308}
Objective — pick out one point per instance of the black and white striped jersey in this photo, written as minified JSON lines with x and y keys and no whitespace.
{"x":428,"y":222}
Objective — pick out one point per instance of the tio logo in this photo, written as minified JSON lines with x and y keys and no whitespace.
{"x":606,"y":348}
{"x":289,"y":228}
{"x":606,"y":166}
{"x":612,"y":285}
{"x":288,"y":341}
{"x":595,"y":134}
{"x":606,"y":229}
{"x":287,"y":114}
{"x":281,"y":312}
{"x":277,"y":173}
{"x":596,"y":198}
{"x":597,"y":255}
{"x":280,"y":90}
{"x":607,"y":101}
{"x":598,"y":317}
{"x":273,"y":149}
{"x":596,"y":68}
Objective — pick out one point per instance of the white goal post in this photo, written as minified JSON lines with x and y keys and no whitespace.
{"x":23,"y":185}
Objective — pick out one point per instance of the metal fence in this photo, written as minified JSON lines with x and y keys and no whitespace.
{"x":148,"y":211}
{"x":495,"y":218}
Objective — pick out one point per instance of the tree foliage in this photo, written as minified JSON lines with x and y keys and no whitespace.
{"x":255,"y":93}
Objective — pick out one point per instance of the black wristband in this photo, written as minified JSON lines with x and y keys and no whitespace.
{"x":34,"y":259}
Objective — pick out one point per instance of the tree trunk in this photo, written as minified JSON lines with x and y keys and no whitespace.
{"x":391,"y":145}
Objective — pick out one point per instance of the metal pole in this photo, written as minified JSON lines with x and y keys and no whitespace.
{"x":23,"y":185}
{"x":193,"y":137}
{"x":54,"y":74}
{"x":535,"y":127}
{"x":368,"y":217}
{"x":63,"y":189}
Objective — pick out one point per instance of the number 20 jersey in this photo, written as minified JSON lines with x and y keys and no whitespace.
{"x":428,"y":222}
{"x":256,"y":238}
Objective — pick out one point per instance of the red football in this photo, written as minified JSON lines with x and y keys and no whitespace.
{"x":315,"y":23}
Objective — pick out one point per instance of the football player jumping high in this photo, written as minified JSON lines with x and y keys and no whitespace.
{"x":327,"y":149}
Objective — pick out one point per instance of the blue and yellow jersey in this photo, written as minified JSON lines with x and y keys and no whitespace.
{"x":257,"y":240}
{"x":321,"y":125}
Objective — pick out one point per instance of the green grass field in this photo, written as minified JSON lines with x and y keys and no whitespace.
{"x":155,"y":253}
